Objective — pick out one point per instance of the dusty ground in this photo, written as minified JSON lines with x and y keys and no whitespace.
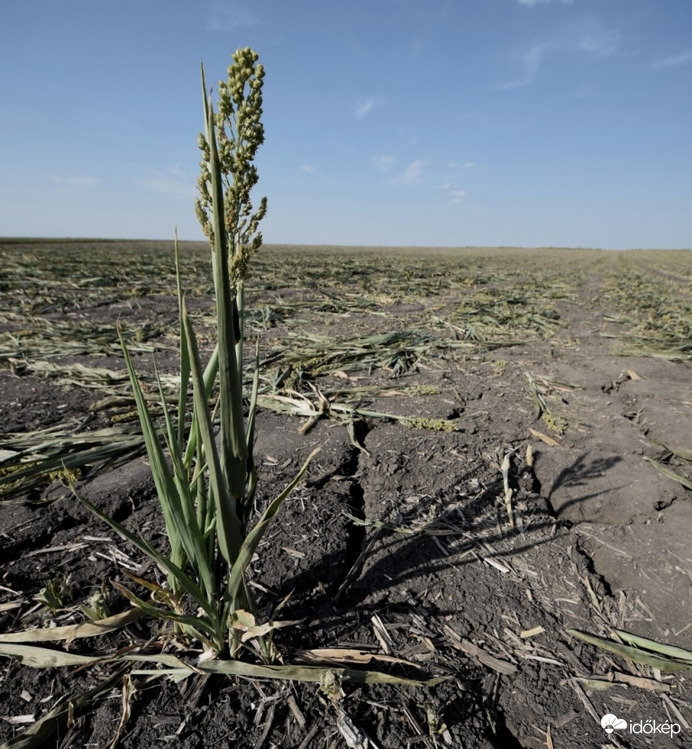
{"x":403,"y":544}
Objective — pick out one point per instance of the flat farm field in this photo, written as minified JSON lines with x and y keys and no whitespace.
{"x":506,"y":459}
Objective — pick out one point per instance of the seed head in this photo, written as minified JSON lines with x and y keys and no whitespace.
{"x":238,"y":132}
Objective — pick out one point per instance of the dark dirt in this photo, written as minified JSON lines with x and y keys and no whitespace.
{"x":601,"y":540}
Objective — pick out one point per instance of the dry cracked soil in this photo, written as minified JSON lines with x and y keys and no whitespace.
{"x":400,"y":542}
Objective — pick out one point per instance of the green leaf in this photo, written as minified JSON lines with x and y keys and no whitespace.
{"x":194,"y":624}
{"x":653,"y":654}
{"x":680,"y":452}
{"x":228,"y":528}
{"x":186,"y":583}
{"x":251,"y":469}
{"x":184,"y":356}
{"x":657,"y":647}
{"x":670,"y":473}
{"x":185,"y":536}
{"x":233,"y":457}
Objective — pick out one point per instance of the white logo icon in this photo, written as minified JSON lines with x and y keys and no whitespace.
{"x":610,"y":723}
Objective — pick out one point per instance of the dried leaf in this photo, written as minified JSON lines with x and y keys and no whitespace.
{"x":544,"y":437}
{"x":75,"y":631}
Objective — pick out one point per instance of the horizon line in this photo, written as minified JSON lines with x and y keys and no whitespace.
{"x":316,"y":245}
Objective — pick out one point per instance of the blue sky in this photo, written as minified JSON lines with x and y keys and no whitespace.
{"x":388,"y":122}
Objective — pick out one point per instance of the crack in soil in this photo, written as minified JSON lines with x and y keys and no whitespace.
{"x":502,"y":737}
{"x":591,"y":569}
{"x":355,"y":533}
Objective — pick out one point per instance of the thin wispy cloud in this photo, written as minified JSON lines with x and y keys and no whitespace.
{"x":602,"y":43}
{"x":170,"y":182}
{"x":165,"y":185}
{"x":531,"y":61}
{"x":454,"y":194}
{"x":669,"y":62}
{"x":585,"y":37}
{"x":408,"y":136}
{"x":363,"y":107}
{"x":76,"y":181}
{"x":313,"y":172}
{"x":383,"y":162}
{"x":230,"y":16}
{"x":588,"y":91}
{"x":412,"y":175}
